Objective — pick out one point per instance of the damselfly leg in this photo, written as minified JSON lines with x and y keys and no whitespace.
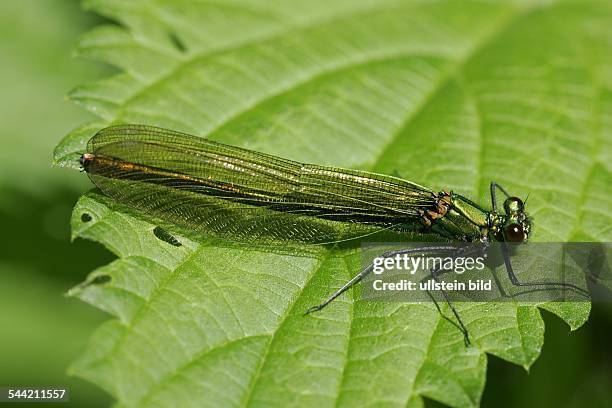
{"x":451,"y":250}
{"x":368,"y":269}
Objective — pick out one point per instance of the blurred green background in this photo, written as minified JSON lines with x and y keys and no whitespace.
{"x":42,"y":331}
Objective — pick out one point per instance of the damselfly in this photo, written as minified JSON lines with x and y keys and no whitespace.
{"x":246,"y":196}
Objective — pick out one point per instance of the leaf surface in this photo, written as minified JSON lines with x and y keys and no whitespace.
{"x":447,"y":94}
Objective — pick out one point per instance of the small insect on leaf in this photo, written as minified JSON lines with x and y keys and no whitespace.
{"x":100,"y":280}
{"x":176,"y":41}
{"x":165,"y":236}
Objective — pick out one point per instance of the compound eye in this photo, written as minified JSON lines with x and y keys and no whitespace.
{"x":513,"y":205}
{"x":514,"y":233}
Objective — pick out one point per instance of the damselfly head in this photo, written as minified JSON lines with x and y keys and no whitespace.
{"x":517,"y":224}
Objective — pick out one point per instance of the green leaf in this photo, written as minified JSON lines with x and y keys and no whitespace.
{"x":449,"y":94}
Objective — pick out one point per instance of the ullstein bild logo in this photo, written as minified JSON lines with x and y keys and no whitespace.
{"x":537,"y":272}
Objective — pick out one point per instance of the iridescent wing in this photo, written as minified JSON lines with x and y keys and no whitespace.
{"x":246,"y":196}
